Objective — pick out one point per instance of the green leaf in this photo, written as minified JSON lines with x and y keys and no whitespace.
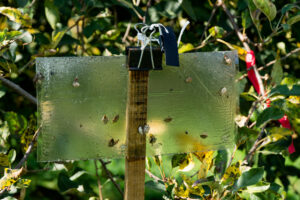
{"x":189,"y":9}
{"x":2,"y":93}
{"x":271,"y":113}
{"x":247,"y":96}
{"x":216,"y":31}
{"x":4,"y":160}
{"x":158,"y":186}
{"x":280,"y":90}
{"x":12,"y":155}
{"x":52,"y":13}
{"x":16,"y":15}
{"x":23,"y":183}
{"x":64,"y":183}
{"x":277,"y":73}
{"x":293,"y":20}
{"x":267,"y":7}
{"x":57,"y":36}
{"x":221,"y":162}
{"x":250,"y":177}
{"x":16,"y":123}
{"x":254,"y":13}
{"x":8,"y":35}
{"x":295,"y":91}
{"x":246,"y":19}
{"x":178,"y":159}
{"x":287,"y":7}
{"x":284,"y":90}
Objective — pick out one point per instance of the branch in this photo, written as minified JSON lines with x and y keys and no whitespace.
{"x":18,"y":89}
{"x":98,"y":181}
{"x":111,"y":177}
{"x":147,"y":8}
{"x":243,"y":39}
{"x":256,"y":144}
{"x":272,"y":62}
{"x":29,"y":149}
{"x":126,"y":32}
{"x":209,"y":20}
{"x":152,"y":175}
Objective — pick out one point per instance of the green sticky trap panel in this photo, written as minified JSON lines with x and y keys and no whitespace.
{"x":82,"y":106}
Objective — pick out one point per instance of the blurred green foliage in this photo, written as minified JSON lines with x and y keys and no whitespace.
{"x":31,"y":28}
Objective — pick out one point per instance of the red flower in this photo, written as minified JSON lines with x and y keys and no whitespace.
{"x":292,"y":147}
{"x":250,"y":62}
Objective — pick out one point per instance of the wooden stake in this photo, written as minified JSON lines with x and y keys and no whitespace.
{"x":136,"y":116}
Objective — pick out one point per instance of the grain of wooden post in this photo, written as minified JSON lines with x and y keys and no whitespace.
{"x":136,"y":116}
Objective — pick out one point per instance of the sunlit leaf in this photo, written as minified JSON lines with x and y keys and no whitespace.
{"x":293,"y":20}
{"x":185,"y":48}
{"x":12,"y":155}
{"x":16,"y":15}
{"x":8,"y":35}
{"x":184,"y":161}
{"x":2,"y":93}
{"x":23,"y":183}
{"x":52,"y":13}
{"x":232,"y":173}
{"x":206,"y":159}
{"x":16,"y":123}
{"x":217,"y":31}
{"x":241,"y":52}
{"x":57,"y":36}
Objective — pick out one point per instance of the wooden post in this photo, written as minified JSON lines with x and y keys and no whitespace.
{"x":136,"y":116}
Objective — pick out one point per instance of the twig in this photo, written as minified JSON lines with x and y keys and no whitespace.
{"x":18,"y":89}
{"x":98,"y":181}
{"x":152,"y":175}
{"x":256,"y":144}
{"x":147,"y":8}
{"x":29,"y":149}
{"x":31,"y":4}
{"x":111,"y":177}
{"x":126,"y":32}
{"x":81,"y":37}
{"x":253,"y":107}
{"x":272,"y":62}
{"x":209,"y":20}
{"x":243,"y":39}
{"x":31,"y":62}
{"x":232,"y":155}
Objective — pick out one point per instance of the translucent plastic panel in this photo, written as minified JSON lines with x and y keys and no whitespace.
{"x":81,"y":104}
{"x":191,"y":108}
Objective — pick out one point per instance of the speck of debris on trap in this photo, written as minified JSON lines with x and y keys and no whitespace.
{"x":203,"y":136}
{"x":168,"y":119}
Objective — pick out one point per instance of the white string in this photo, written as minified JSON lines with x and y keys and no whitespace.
{"x":181,"y":32}
{"x":142,"y":37}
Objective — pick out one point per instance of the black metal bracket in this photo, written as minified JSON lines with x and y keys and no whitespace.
{"x":133,"y":58}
